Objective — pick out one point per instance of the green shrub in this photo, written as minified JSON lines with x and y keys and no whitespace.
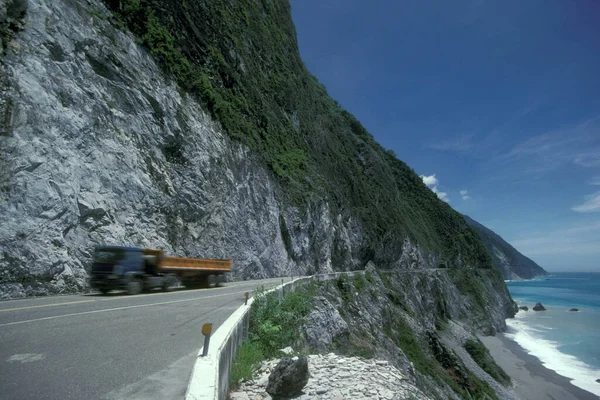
{"x":246,"y":361}
{"x":359,"y":282}
{"x":483,"y":358}
{"x":344,"y":286}
{"x":275,"y":321}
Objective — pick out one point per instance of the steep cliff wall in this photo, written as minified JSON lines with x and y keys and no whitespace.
{"x":104,"y":142}
{"x":101,"y":148}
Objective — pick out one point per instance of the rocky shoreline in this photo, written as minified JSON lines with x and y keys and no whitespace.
{"x":334,"y":377}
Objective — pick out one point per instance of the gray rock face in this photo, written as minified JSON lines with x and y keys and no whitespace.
{"x":99,"y":147}
{"x":323,"y":325}
{"x":539,"y":307}
{"x":288,"y":378}
{"x":524,"y":308}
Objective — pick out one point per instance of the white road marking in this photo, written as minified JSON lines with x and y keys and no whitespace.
{"x":25,"y":358}
{"x":118,"y":308}
{"x":46,"y":305}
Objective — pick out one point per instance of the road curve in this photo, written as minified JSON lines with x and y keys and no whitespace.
{"x":109,"y":347}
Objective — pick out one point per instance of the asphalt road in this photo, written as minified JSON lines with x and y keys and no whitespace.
{"x":109,"y":347}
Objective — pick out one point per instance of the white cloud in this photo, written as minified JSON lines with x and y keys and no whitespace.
{"x":591,"y":204}
{"x":462,"y":143}
{"x":576,"y":145}
{"x":465,"y":194}
{"x":430,"y":180}
{"x":595,"y":181}
{"x":441,"y":195}
{"x":432,"y":183}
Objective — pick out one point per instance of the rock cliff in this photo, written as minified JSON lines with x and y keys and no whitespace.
{"x":99,"y":147}
{"x":513,"y":264}
{"x":418,"y":321}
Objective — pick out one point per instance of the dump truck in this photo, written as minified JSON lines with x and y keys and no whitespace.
{"x":135,"y":270}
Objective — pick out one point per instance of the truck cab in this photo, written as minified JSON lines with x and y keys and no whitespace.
{"x":126,"y":268}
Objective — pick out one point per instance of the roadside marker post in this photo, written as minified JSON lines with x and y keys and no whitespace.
{"x":206,"y":331}
{"x":246,"y":301}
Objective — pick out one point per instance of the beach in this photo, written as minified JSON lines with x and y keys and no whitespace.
{"x":531,"y":380}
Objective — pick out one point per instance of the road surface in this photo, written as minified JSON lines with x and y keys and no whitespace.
{"x":109,"y":347}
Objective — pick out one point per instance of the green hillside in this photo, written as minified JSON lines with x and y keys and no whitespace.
{"x":241,"y":60}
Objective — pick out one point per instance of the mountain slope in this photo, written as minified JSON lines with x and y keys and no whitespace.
{"x":208,"y":140}
{"x":242,"y":62}
{"x":506,"y":258}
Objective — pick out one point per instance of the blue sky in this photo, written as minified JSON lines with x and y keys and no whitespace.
{"x":500,"y":99}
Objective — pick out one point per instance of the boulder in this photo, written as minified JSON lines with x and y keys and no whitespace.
{"x":574,"y":309}
{"x":288,"y":377}
{"x":539,"y":307}
{"x":524,"y":308}
{"x":598,"y":380}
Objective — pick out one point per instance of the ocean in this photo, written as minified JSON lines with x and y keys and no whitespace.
{"x":564,"y":341}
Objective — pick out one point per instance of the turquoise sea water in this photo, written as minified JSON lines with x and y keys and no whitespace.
{"x":566,"y":342}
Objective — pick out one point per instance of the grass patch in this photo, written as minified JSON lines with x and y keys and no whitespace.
{"x":483,"y":358}
{"x":246,"y":361}
{"x":359,"y":282}
{"x":275,"y":321}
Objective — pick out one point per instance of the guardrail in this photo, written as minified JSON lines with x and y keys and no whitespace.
{"x":210,"y":376}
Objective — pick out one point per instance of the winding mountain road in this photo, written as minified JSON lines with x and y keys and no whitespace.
{"x":109,"y":347}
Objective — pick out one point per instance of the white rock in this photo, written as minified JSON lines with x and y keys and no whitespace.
{"x":239,"y":396}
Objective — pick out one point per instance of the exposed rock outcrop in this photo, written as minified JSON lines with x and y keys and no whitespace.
{"x":539,"y":307}
{"x":574,"y":309}
{"x":103,"y":149}
{"x":324,"y":325}
{"x":524,"y":308}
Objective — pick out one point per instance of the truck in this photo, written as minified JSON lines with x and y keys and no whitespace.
{"x":136,"y":270}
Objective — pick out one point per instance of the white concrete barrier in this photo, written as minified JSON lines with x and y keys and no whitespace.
{"x":210,"y":376}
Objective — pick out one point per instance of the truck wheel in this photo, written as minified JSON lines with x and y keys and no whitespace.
{"x":212,"y":281}
{"x":134,"y":286}
{"x":169,"y":283}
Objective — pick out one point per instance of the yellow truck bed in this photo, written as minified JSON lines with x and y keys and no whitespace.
{"x":194,"y":264}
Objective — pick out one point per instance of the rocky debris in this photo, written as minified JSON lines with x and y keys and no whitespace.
{"x":337,"y":377}
{"x":524,"y":308}
{"x":574,"y":309}
{"x":539,"y":307}
{"x":323,"y":325}
{"x":287,"y":351}
{"x":288,"y":378}
{"x":238,"y":396}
